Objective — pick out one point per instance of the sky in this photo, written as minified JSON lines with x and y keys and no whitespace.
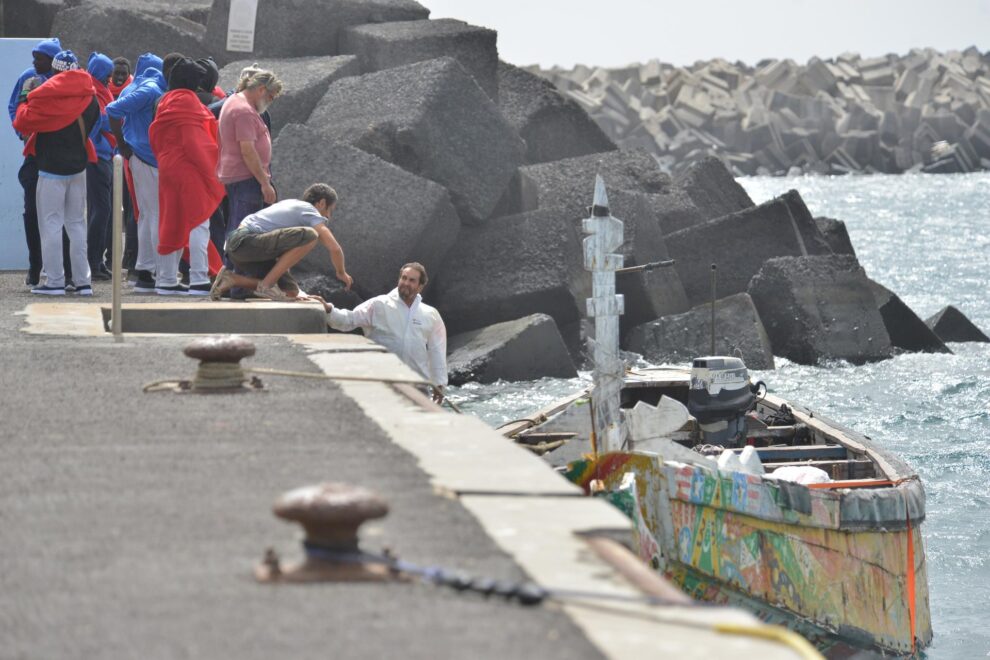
{"x":614,"y":33}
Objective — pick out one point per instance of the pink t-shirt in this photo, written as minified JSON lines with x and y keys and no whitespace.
{"x":240,"y":122}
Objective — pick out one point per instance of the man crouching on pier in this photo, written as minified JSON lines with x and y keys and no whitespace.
{"x":405,"y":325}
{"x":273,"y":240}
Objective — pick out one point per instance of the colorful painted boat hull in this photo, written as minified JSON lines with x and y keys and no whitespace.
{"x":779,"y":549}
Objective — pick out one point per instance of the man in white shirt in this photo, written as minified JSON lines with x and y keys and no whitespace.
{"x":401,"y":322}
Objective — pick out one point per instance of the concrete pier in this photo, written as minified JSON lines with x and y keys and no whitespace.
{"x":131,"y":522}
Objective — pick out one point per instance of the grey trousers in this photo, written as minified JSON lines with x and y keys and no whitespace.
{"x":146,"y":191}
{"x":199,"y":265}
{"x":61,"y":204}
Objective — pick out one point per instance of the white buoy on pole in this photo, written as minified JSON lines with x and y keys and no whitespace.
{"x":601,"y":258}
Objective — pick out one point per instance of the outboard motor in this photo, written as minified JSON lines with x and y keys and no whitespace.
{"x":719,"y":398}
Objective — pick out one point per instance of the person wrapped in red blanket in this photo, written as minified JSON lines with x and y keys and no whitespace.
{"x":58,"y":117}
{"x":183,"y":137}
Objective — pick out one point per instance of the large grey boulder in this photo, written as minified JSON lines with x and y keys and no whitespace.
{"x":386,"y":45}
{"x":512,"y":267}
{"x":553,"y":126}
{"x":952,"y":325}
{"x":35,"y":18}
{"x":295,"y":28}
{"x":682,"y":337}
{"x":740,"y":243}
{"x":569,"y":183}
{"x":385,"y":216}
{"x":819,"y":308}
{"x":836,"y":235}
{"x":524,"y":349}
{"x":431,"y":119}
{"x":123,"y":30}
{"x":713,"y":189}
{"x":906,"y":329}
{"x":31,"y":19}
{"x":304,"y":82}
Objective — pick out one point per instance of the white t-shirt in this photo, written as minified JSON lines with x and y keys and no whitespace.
{"x":282,"y":215}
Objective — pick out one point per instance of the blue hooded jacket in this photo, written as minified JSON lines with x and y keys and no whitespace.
{"x":100,"y":67}
{"x":49,"y":47}
{"x":136,"y":106}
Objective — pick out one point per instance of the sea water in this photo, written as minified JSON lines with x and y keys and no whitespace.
{"x":927,"y":238}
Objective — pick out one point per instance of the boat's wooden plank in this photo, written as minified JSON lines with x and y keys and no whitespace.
{"x":800,"y":453}
{"x":854,"y":483}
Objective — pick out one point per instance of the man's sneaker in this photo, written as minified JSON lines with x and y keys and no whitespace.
{"x":32,"y":280}
{"x":69,"y":287}
{"x":48,"y":290}
{"x":222,"y":282}
{"x":99,"y":275}
{"x":145,"y":283}
{"x":84,"y":290}
{"x":199,"y":289}
{"x":177,"y":290}
{"x":273,"y":293}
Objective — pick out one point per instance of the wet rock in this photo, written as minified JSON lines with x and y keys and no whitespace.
{"x":524,"y":349}
{"x":304,"y":82}
{"x":906,"y":329}
{"x":740,"y":243}
{"x":431,"y":119}
{"x":952,"y":325}
{"x":713,"y":189}
{"x":819,"y":308}
{"x":387,"y":45}
{"x":385,"y":216}
{"x":680,"y":338}
{"x":836,"y":235}
{"x":553,"y":126}
{"x":296,"y":28}
{"x":513,"y":267}
{"x":330,"y":289}
{"x":125,"y":31}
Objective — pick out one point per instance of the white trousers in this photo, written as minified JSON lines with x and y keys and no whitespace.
{"x":62,"y":204}
{"x":199,"y":266}
{"x":146,"y":191}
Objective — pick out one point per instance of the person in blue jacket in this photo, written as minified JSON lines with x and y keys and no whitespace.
{"x":130,"y":118}
{"x":44,"y":53}
{"x":99,"y":175}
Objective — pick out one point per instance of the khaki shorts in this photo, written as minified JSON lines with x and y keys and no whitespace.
{"x":255,"y":254}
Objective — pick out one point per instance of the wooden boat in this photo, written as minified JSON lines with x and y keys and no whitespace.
{"x":841,"y":562}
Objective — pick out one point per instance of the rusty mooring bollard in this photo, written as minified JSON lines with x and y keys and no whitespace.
{"x":330,"y":514}
{"x":219,"y":362}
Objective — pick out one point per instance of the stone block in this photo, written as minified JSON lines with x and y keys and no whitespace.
{"x":29,"y":19}
{"x":836,"y":235}
{"x":304,"y":82}
{"x":297,"y":28}
{"x":906,"y":329}
{"x":680,"y":338}
{"x":552,"y":125}
{"x":819,"y":308}
{"x":125,"y":31}
{"x":387,"y":45}
{"x":512,"y":267}
{"x":713,"y":189}
{"x":431,"y":119}
{"x":524,"y":349}
{"x":385,"y":216}
{"x":950,"y":324}
{"x":740,"y":243}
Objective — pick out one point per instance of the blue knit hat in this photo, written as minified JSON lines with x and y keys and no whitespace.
{"x":49,"y":47}
{"x":65,"y":60}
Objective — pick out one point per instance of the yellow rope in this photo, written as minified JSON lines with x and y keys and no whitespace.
{"x":799,"y":644}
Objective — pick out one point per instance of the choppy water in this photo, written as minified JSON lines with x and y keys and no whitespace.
{"x":927,"y":238}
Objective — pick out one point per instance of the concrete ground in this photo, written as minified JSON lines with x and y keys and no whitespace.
{"x":130,"y":522}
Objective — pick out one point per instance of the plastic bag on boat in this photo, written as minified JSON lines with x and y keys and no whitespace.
{"x":801,"y":474}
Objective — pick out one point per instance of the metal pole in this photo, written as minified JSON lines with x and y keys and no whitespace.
{"x":714,"y":271}
{"x":118,"y":248}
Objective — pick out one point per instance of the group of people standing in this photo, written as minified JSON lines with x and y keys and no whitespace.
{"x":197,"y":162}
{"x":198,"y":170}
